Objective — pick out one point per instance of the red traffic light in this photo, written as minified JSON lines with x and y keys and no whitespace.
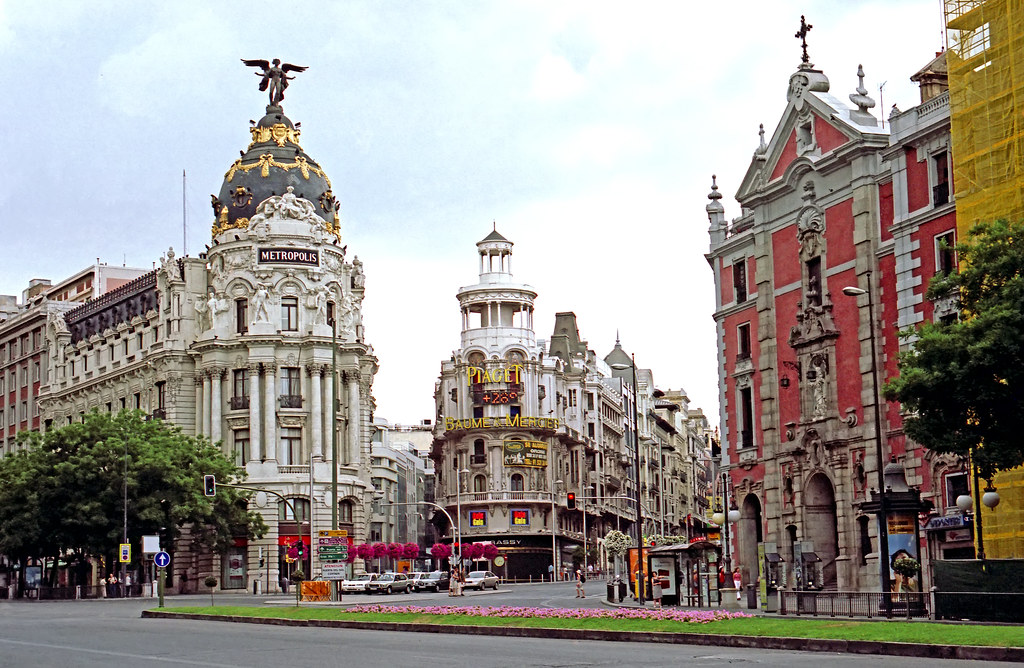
{"x":570,"y":500}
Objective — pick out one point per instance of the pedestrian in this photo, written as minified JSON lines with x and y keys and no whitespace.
{"x":111,"y":584}
{"x":453,"y":584}
{"x":551,"y":572}
{"x":737,"y":581}
{"x":580,"y":579}
{"x":127,"y":584}
{"x":656,"y":591}
{"x":461,"y":582}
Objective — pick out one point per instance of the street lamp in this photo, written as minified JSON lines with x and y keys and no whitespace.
{"x":636,"y":456}
{"x":583,"y":509}
{"x":458,"y":505}
{"x":554,"y":530}
{"x":883,"y":530}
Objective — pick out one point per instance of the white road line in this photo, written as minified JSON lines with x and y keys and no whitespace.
{"x":124,"y":655}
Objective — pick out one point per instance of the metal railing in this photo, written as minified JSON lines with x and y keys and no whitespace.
{"x":291,"y":401}
{"x":240,"y":402}
{"x":853,"y":604}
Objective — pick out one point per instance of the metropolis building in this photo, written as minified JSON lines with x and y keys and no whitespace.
{"x":236,"y":346}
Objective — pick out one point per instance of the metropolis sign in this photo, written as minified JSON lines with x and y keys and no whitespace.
{"x":289,"y":256}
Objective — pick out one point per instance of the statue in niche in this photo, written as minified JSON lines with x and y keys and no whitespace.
{"x":358,"y":278}
{"x":818,"y":389}
{"x":214,"y":306}
{"x":202,"y":313}
{"x":318,"y":302}
{"x":260,"y":309}
{"x":345,"y":316}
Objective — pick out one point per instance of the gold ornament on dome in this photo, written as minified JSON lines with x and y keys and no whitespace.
{"x":240,"y":223}
{"x":278,"y":133}
{"x":267,"y":161}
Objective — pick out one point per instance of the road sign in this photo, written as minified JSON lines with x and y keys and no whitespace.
{"x":332,"y":571}
{"x":335,"y":533}
{"x":126,"y":553}
{"x":161,"y":559}
{"x":332,"y":541}
{"x":333,"y":550}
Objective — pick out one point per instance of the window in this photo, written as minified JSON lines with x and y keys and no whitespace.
{"x":865,"y":539}
{"x":156,"y":334}
{"x":138,"y":341}
{"x":480,"y":483}
{"x":590,"y":401}
{"x":36,"y":371}
{"x":572,"y":397}
{"x":289,"y":314}
{"x":956,"y":485}
{"x":241,"y":447}
{"x":940,"y":167}
{"x":743,"y":341}
{"x":516,"y":482}
{"x":945,"y":253}
{"x":479,"y":456}
{"x":291,"y":442}
{"x":137,"y":397}
{"x":515,"y":411}
{"x":122,"y":401}
{"x":125,"y":344}
{"x":240,"y":389}
{"x":345,"y":512}
{"x":746,"y":418}
{"x":739,"y":279}
{"x":291,"y":387}
{"x":241,"y":315}
{"x":24,"y":376}
{"x":478,"y":411}
{"x":285,"y":513}
{"x":24,"y":411}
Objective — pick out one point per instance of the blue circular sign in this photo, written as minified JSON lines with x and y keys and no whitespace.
{"x":161,"y":559}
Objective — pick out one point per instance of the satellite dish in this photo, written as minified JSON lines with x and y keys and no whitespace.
{"x":260,"y":499}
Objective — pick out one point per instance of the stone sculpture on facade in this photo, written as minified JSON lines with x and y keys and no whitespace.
{"x":275,"y":77}
{"x":260,"y":309}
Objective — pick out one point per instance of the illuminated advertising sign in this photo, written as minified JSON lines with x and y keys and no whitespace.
{"x":520,"y":517}
{"x":478,"y":518}
{"x":526,"y":453}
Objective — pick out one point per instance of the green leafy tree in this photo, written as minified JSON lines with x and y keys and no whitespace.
{"x":64,"y":494}
{"x":962,"y":383}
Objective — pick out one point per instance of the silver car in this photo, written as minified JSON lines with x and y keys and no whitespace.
{"x":389,"y":583}
{"x":481,"y":580}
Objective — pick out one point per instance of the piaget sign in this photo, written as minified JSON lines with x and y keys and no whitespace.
{"x":508,"y":374}
{"x":503,"y":422}
{"x":526,"y":453}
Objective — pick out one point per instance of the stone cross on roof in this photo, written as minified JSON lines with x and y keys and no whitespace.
{"x":801,"y":34}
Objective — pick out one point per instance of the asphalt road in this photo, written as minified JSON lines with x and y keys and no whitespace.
{"x":110,"y":633}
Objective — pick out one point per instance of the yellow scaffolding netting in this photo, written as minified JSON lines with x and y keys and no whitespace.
{"x":985,"y":58}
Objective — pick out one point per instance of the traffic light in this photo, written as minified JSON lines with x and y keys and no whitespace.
{"x":570,"y":500}
{"x":210,"y":485}
{"x":299,"y":546}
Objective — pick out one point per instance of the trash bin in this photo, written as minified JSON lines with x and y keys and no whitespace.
{"x":622,"y":591}
{"x":611,"y":592}
{"x":751,"y":597}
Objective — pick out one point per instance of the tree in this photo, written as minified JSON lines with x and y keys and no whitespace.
{"x":962,"y":383}
{"x":72,"y":484}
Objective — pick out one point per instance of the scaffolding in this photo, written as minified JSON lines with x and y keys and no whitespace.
{"x":985,"y":57}
{"x":986,"y":88}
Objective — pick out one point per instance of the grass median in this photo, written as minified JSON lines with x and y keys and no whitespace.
{"x":647,"y":621}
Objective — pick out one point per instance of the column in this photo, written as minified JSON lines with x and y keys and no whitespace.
{"x":329,"y":413}
{"x":270,"y":410}
{"x":352,"y":442}
{"x":199,"y":402}
{"x":216,"y":407}
{"x":254,"y":413}
{"x":316,"y":417}
{"x":206,"y":402}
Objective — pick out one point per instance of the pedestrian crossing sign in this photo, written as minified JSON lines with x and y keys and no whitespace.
{"x":126,"y":553}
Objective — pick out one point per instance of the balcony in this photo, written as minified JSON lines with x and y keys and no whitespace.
{"x":291,"y":401}
{"x":940,"y":194}
{"x":239,"y":403}
{"x":478,"y":460}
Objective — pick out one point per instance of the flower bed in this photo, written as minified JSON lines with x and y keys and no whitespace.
{"x":666,"y":614}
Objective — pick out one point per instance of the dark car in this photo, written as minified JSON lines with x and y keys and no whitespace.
{"x":434,"y":581}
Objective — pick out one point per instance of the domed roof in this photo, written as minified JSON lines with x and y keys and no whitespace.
{"x":272,"y":162}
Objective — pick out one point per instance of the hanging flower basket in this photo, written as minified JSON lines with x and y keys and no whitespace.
{"x":440,"y":551}
{"x":410,"y":550}
{"x":396,"y":550}
{"x":490,"y":551}
{"x":364,"y":551}
{"x":473,"y":551}
{"x":380,"y":550}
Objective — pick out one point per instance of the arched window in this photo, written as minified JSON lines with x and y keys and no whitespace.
{"x":516,"y":483}
{"x":345,"y":512}
{"x":480,"y":483}
{"x":284,"y":510}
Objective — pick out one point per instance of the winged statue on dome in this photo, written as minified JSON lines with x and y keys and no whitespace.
{"x":275,"y":76}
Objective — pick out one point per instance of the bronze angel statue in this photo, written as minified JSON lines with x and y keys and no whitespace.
{"x":275,"y":76}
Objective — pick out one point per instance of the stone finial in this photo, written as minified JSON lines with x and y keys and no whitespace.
{"x":801,"y":35}
{"x":863,"y":101}
{"x":716,"y":214}
{"x":762,"y":148}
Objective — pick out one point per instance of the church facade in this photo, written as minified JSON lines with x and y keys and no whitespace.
{"x":845,"y":217}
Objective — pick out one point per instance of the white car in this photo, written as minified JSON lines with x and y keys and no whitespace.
{"x":359,"y":585}
{"x":481,"y":580}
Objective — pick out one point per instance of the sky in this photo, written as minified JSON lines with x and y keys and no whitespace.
{"x":586,"y":132}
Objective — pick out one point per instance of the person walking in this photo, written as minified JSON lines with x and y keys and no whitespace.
{"x":656,"y":590}
{"x":551,"y":572}
{"x":737,"y":581}
{"x":580,"y":579}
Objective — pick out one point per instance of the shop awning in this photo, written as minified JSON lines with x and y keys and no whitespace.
{"x":774,"y":557}
{"x":809,"y":557}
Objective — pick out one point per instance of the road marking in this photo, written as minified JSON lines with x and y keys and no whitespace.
{"x":126,"y":655}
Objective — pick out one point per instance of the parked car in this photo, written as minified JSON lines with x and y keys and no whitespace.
{"x":481,"y":580}
{"x":358,"y":585}
{"x":389,"y":583}
{"x":434,"y":581}
{"x":414,"y":579}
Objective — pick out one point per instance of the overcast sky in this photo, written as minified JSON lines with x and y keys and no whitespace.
{"x":587,"y":131}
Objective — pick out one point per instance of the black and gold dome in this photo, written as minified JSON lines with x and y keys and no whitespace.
{"x":272,"y":162}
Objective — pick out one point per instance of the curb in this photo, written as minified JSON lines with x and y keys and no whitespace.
{"x":963,"y":652}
